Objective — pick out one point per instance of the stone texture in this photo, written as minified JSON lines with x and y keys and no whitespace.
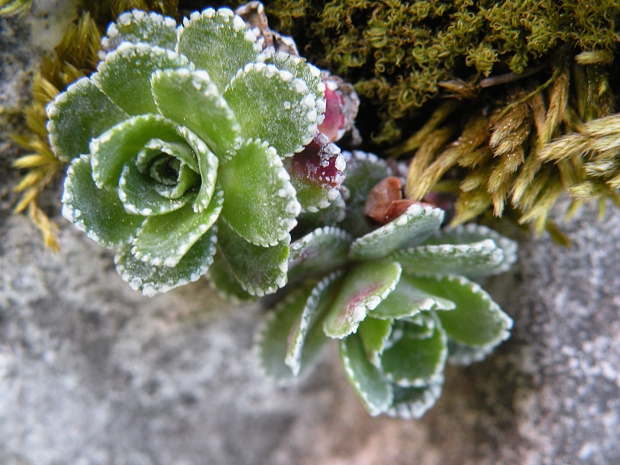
{"x":92,"y":373}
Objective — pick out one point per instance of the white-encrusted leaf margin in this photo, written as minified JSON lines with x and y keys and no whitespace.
{"x":413,"y":402}
{"x":411,"y":228}
{"x":367,"y":380}
{"x":477,"y":320}
{"x":275,"y":106}
{"x":470,"y":233}
{"x":310,"y":320}
{"x":474,"y":260}
{"x":363,"y":288}
{"x":219,"y":42}
{"x":319,"y":252}
{"x":139,"y":26}
{"x":273,"y":341}
{"x":97,"y":212}
{"x":152,"y":280}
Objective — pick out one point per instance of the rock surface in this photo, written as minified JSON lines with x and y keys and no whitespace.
{"x":92,"y":373}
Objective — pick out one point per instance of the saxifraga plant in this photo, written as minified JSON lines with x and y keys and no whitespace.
{"x":182,"y":131}
{"x":400,"y":298}
{"x":203,"y":148}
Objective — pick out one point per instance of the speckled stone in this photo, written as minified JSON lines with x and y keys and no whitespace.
{"x":92,"y":373}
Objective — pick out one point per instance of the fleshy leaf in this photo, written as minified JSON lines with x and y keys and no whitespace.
{"x":318,"y":253}
{"x":78,"y":115}
{"x":259,"y":270}
{"x":155,"y":147}
{"x":309,"y":322}
{"x":374,"y":333}
{"x":218,"y":42}
{"x":411,"y":228}
{"x":367,"y":380}
{"x":153,"y":280}
{"x":139,"y":26}
{"x":414,"y":358}
{"x":125,"y":75}
{"x":190,"y":99}
{"x":477,"y":320}
{"x":97,"y":212}
{"x":140,"y":197}
{"x":407,"y":300}
{"x":273,"y":338}
{"x":463,"y":354}
{"x":473,"y":260}
{"x":274,"y":106}
{"x":470,"y":233}
{"x":222,"y":278}
{"x":309,"y":221}
{"x":301,"y":69}
{"x":363,"y":289}
{"x":165,"y":239}
{"x":362,"y":173}
{"x":208,"y":165}
{"x":123,"y":142}
{"x":413,"y":402}
{"x":260,"y":200}
{"x":316,"y":173}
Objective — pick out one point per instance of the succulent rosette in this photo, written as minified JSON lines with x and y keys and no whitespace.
{"x":186,"y":131}
{"x":400,"y":297}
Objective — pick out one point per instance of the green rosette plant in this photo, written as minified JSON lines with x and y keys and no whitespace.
{"x":400,"y":298}
{"x":183,"y":132}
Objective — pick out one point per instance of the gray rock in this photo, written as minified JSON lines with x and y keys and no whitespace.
{"x":94,"y":373}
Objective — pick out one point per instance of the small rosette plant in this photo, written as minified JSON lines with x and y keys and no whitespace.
{"x":400,"y":298}
{"x":186,"y":131}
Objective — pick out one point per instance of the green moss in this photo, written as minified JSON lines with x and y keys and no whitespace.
{"x":398,"y":52}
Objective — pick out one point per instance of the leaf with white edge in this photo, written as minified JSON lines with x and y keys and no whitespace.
{"x":470,"y":233}
{"x":473,"y":260}
{"x":309,"y":322}
{"x":97,"y":212}
{"x":218,"y":42}
{"x":363,"y":171}
{"x":153,"y":280}
{"x":316,"y":173}
{"x":78,"y":115}
{"x":139,"y":194}
{"x":364,"y":287}
{"x":259,"y":270}
{"x":274,"y":106}
{"x":208,"y":165}
{"x":156,"y":147}
{"x":122,"y":144}
{"x":463,"y":354}
{"x":374,"y":333}
{"x":367,"y":380}
{"x":125,"y":75}
{"x":309,"y":221}
{"x":273,"y":338}
{"x":407,"y":300}
{"x":222,"y":279}
{"x":165,"y":239}
{"x":303,"y":70}
{"x":139,"y":26}
{"x":410,"y":228}
{"x":413,"y":402}
{"x":477,"y":320}
{"x":260,"y":201}
{"x":414,"y":359}
{"x":320,"y":252}
{"x":190,"y":99}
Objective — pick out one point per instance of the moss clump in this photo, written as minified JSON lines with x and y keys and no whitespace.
{"x":398,"y":52}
